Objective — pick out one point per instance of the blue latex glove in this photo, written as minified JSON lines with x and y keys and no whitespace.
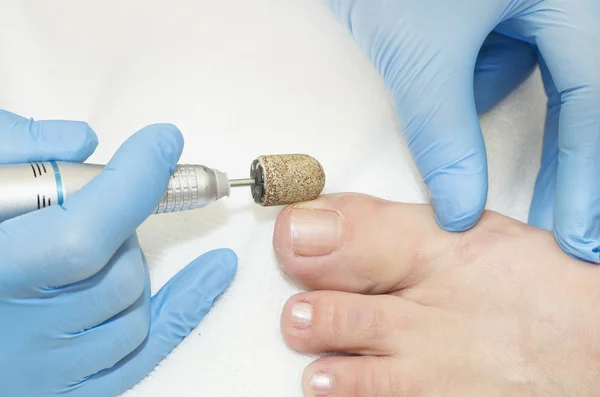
{"x":430,"y":56}
{"x":77,"y":318}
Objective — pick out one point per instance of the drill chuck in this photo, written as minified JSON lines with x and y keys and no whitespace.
{"x":192,"y":187}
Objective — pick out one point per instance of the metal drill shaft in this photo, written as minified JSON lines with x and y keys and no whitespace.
{"x":242,"y":182}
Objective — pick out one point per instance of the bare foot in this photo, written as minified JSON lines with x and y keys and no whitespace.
{"x":497,"y":311}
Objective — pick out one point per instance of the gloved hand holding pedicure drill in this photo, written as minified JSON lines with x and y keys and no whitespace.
{"x":74,"y":283}
{"x":77,"y":318}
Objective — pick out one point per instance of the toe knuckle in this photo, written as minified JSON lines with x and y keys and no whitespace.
{"x":359,"y":322}
{"x":371,"y":380}
{"x":339,"y":323}
{"x":379,"y":379}
{"x":332,"y":320}
{"x":373,"y":322}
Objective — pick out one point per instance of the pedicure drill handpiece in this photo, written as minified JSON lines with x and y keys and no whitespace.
{"x":274,"y":180}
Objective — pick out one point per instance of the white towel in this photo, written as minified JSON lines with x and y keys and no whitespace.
{"x":240,"y":79}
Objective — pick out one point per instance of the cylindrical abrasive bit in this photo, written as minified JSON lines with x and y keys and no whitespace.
{"x":286,"y":179}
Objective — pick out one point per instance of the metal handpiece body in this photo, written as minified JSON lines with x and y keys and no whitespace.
{"x":32,"y":186}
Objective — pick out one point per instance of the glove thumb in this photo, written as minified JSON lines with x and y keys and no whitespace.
{"x":23,"y":140}
{"x":444,"y":136}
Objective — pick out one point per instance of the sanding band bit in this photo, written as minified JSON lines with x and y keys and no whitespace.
{"x":274,"y":180}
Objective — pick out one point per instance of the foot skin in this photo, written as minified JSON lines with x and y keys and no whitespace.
{"x":499,"y":310}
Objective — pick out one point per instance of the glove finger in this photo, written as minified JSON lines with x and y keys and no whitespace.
{"x":502,"y":65}
{"x":80,"y":237}
{"x":25,"y":140}
{"x":102,"y":347}
{"x":431,"y":81}
{"x":176,"y":310}
{"x":101,"y":297}
{"x":568,"y":36}
{"x":541,"y":212}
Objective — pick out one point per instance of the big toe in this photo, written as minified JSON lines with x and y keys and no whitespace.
{"x":357,"y":243}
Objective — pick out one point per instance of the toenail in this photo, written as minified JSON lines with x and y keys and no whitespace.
{"x":302,"y":314}
{"x":314,"y":232}
{"x":321,"y":385}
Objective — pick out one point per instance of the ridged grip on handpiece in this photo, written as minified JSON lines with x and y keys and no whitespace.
{"x":191,"y":187}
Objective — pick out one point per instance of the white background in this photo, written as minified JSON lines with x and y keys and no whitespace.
{"x":240,"y":78}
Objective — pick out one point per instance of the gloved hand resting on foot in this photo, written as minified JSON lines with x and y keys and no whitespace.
{"x":445,"y":61}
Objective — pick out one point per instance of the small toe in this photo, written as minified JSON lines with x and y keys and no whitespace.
{"x":362,"y":377}
{"x":328,"y":321}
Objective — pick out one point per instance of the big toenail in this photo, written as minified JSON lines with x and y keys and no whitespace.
{"x":321,"y":385}
{"x":314,"y":232}
{"x":302,"y":314}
